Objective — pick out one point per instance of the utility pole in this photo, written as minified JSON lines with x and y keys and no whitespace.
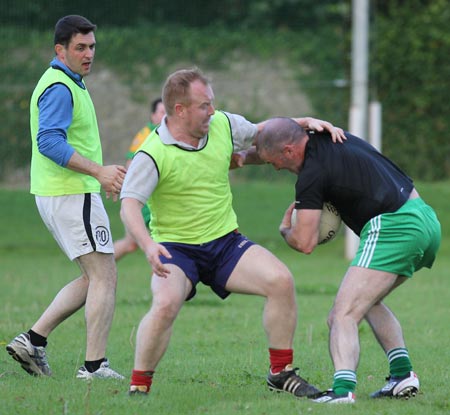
{"x":359,"y":89}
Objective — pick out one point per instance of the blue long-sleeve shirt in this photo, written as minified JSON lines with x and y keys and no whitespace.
{"x":55,"y":116}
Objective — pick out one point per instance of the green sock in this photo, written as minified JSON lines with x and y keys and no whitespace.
{"x":344,"y":381}
{"x":399,"y":362}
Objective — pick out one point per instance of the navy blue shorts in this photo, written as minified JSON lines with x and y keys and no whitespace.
{"x":210,"y":263}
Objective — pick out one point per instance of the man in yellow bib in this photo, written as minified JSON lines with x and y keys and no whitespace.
{"x":182,"y":169}
{"x":66,"y":176}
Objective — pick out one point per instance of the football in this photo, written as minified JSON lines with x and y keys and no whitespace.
{"x":330,"y":222}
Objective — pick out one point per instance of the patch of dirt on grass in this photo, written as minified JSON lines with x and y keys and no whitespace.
{"x":257,"y":90}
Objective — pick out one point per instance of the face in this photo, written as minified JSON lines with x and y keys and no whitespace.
{"x":79,"y":54}
{"x":197,"y":115}
{"x":281,"y":160}
{"x":159,"y":113}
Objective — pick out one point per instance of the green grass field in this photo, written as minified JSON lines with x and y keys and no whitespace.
{"x":218,"y":359}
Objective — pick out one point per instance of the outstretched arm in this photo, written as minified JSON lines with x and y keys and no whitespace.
{"x":309,"y":123}
{"x":249,"y":156}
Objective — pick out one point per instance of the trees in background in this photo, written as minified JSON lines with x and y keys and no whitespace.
{"x":411,"y":77}
{"x":272,"y":14}
{"x":409,"y":52}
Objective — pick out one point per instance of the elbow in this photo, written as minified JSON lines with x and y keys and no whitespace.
{"x":305,"y":249}
{"x":303,"y":246}
{"x":122,"y":212}
{"x":129,"y":208}
{"x":55,"y":148}
{"x":300,"y":244}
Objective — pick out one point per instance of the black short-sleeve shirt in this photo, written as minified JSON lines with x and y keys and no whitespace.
{"x":355,"y":177}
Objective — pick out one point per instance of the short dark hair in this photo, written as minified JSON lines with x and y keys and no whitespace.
{"x":68,"y":26}
{"x":154,"y":104}
{"x":277,"y":132}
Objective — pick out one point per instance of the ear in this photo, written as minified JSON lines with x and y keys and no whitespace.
{"x":288,"y":150}
{"x":179,"y":109}
{"x":59,"y":49}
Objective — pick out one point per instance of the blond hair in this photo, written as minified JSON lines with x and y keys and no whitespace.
{"x":176,"y":89}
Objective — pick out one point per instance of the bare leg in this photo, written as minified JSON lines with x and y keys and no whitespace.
{"x":155,"y":329}
{"x":359,"y":291}
{"x":95,"y":289}
{"x":124,"y":246}
{"x":402,"y":382}
{"x":68,"y":300}
{"x":259,"y":272}
{"x":100,"y":301}
{"x":386,"y":327}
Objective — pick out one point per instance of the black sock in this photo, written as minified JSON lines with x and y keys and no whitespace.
{"x":93,"y":365}
{"x":36,"y":339}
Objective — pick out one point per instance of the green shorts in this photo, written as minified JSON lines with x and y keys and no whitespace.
{"x":401,"y":242}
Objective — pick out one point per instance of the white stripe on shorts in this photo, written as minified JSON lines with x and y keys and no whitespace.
{"x":371,"y":242}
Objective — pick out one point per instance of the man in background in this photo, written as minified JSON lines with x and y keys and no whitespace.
{"x":127,"y":244}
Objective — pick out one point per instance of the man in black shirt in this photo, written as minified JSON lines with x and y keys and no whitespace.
{"x":399,"y":235}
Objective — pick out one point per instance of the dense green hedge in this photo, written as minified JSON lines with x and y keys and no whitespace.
{"x":411,"y":64}
{"x":141,"y":53}
{"x":410,"y":71}
{"x":240,"y":14}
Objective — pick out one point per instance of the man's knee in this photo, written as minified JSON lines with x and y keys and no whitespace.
{"x":281,"y":281}
{"x":165,"y":308}
{"x":339,"y":315}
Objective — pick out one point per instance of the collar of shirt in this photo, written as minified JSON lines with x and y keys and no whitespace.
{"x":167,"y":138}
{"x":57,"y":64}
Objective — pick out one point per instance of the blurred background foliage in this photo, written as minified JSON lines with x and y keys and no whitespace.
{"x":409,"y":60}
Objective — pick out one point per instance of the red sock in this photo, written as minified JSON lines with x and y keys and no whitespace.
{"x":142,"y":378}
{"x":280,"y":358}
